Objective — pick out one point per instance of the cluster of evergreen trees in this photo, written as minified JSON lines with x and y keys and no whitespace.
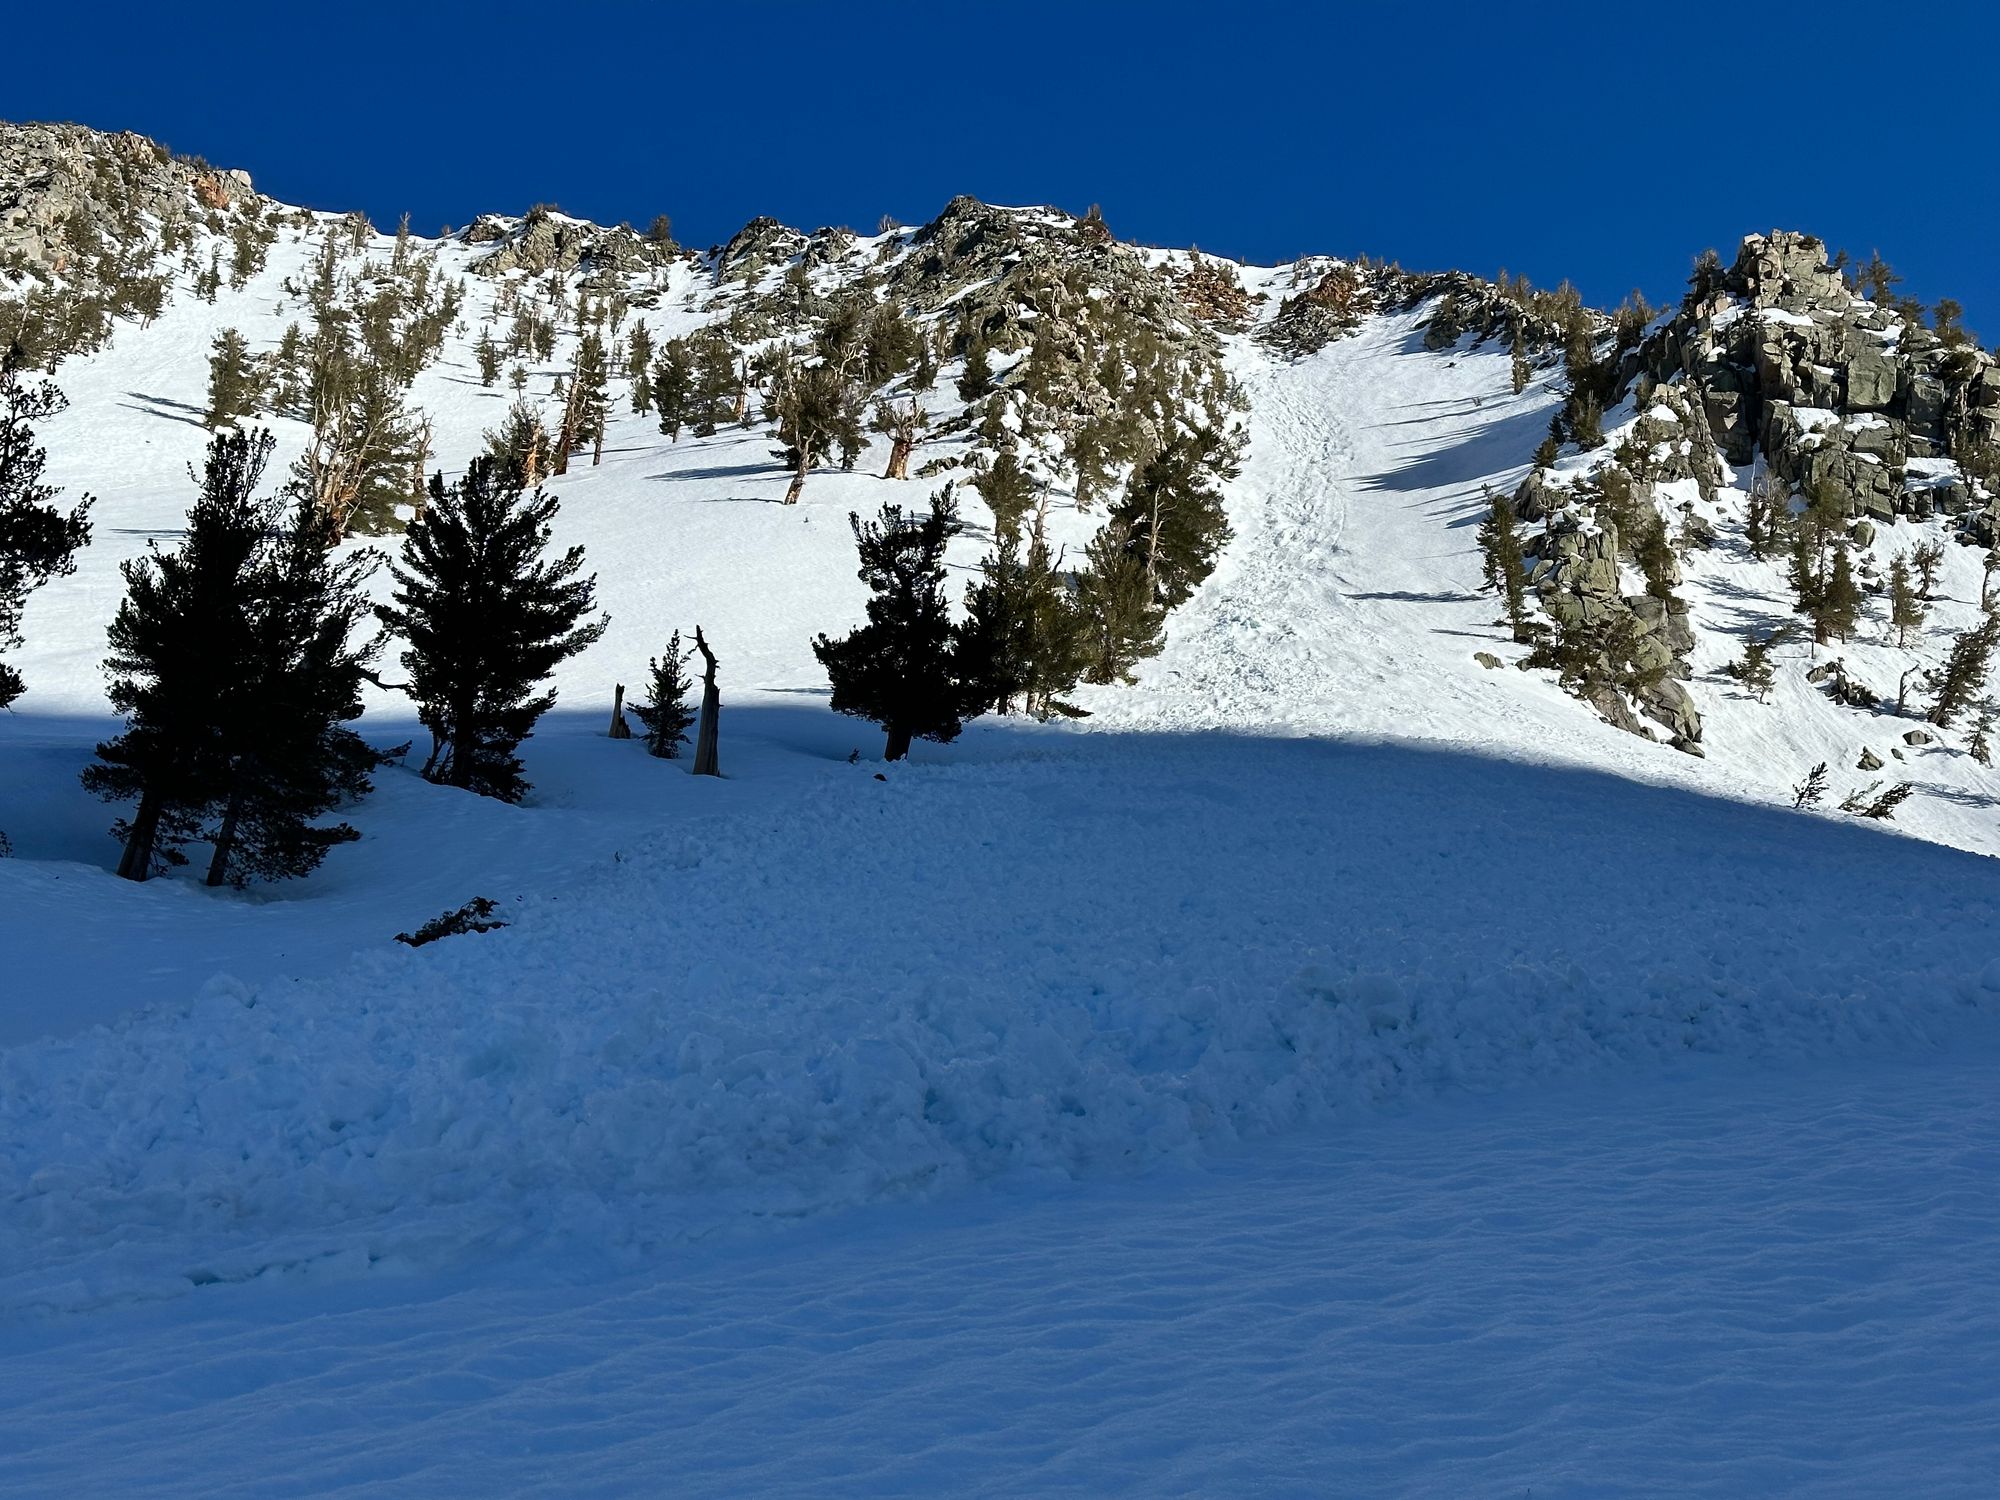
{"x":237,"y":660}
{"x":1031,"y":630}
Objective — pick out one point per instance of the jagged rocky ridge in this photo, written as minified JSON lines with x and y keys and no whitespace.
{"x":1777,"y":367}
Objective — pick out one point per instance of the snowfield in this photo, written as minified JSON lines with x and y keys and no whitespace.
{"x":1064,"y":963}
{"x":1716,"y":1281}
{"x":1332,"y":1067}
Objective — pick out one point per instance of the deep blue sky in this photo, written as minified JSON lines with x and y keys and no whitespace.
{"x":1603,"y":142}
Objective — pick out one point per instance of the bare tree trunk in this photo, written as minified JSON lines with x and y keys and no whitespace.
{"x":136,"y":862}
{"x":225,"y":838}
{"x":620,"y":730}
{"x":798,"y":484}
{"x":706,"y":736}
{"x":899,"y":743}
{"x":899,"y":458}
{"x":597,"y":447}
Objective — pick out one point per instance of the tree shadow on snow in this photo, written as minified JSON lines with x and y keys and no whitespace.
{"x":166,"y":409}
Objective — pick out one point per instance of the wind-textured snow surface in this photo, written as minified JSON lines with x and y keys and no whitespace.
{"x":1713,"y":1282}
{"x":1257,"y":1008}
{"x":1063,"y":963}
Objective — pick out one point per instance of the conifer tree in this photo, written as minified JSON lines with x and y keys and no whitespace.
{"x":386,"y":448}
{"x":1173,"y":516}
{"x":1118,"y":607}
{"x":1927,"y":558}
{"x":977,"y":379}
{"x":1087,"y":447}
{"x":487,"y":615}
{"x":290,"y":757}
{"x":1501,"y":562}
{"x":1008,"y":491}
{"x":181,"y":649}
{"x":1655,"y":556}
{"x":668,"y":715}
{"x":38,"y":539}
{"x":905,"y":668}
{"x":592,"y":394}
{"x":487,"y":354}
{"x":1980,"y":746}
{"x":812,"y":411}
{"x":889,"y":345}
{"x":232,"y":380}
{"x":717,"y":388}
{"x":1838,"y":610}
{"x":673,"y":386}
{"x":639,"y":353}
{"x":903,"y":424}
{"x":520,"y":446}
{"x":1906,"y":611}
{"x":1964,"y":673}
{"x":1754,"y":669}
{"x":1022,"y":637}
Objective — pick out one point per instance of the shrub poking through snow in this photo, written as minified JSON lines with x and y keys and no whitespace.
{"x":474,"y":916}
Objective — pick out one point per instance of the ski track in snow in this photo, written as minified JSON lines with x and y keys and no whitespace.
{"x":1716,"y":1284}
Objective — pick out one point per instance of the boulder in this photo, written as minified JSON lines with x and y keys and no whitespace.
{"x":1488,"y":660}
{"x":1869,"y":761}
{"x":1871,"y":381}
{"x":1916,"y":737}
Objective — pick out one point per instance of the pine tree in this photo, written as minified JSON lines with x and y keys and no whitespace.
{"x":1088,"y":450}
{"x":1501,"y":561}
{"x":812,"y":410}
{"x":520,"y":446}
{"x":1173,"y":514}
{"x":1927,"y":558}
{"x":1839,"y":606}
{"x":1022,"y":637}
{"x":232,"y":380}
{"x":1008,"y":491}
{"x":673,"y":386}
{"x":38,"y":540}
{"x":386,"y":451}
{"x":639,"y":356}
{"x":1980,"y":747}
{"x":487,"y":617}
{"x":667,"y":716}
{"x":290,"y":757}
{"x":1906,"y":611}
{"x":1117,"y":603}
{"x":905,"y":668}
{"x":977,"y":380}
{"x":718,"y":392}
{"x":592,"y":394}
{"x":1964,"y":671}
{"x":181,"y":651}
{"x":903,"y":424}
{"x":1754,"y":669}
{"x":487,"y":353}
{"x":1655,"y":556}
{"x":1757,"y":518}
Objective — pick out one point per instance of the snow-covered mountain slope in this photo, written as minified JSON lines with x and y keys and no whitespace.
{"x":1320,"y":863}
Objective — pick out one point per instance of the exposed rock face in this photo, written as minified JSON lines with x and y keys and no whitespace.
{"x":1331,"y":299}
{"x":544,"y":241}
{"x":755,"y":248}
{"x":1843,"y":397}
{"x":64,"y":188}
